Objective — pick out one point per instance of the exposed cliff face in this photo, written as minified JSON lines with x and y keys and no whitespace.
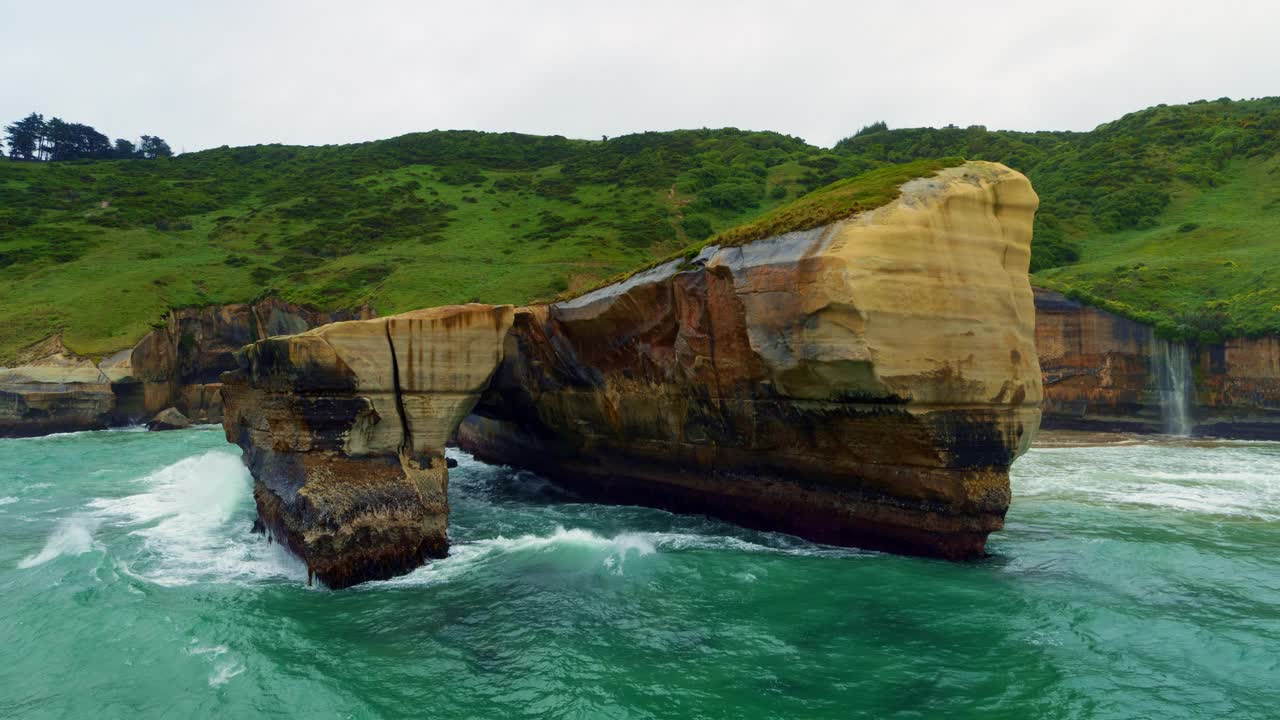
{"x":54,"y":390}
{"x":344,"y":429}
{"x":866,"y":383}
{"x":1104,"y":372}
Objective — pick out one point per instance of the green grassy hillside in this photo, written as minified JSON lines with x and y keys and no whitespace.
{"x":1170,"y":215}
{"x":99,"y":249}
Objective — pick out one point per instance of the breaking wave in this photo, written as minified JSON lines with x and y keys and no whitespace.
{"x":194,"y":519}
{"x":72,"y":536}
{"x":590,"y":550}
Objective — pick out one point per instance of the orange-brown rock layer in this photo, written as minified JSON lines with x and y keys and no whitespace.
{"x":865,"y":383}
{"x":343,"y":429}
{"x":52,"y":389}
{"x":1101,"y":372}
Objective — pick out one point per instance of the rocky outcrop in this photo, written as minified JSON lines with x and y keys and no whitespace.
{"x":51,"y":389}
{"x":169,"y":419}
{"x":1104,"y":372}
{"x":179,"y":364}
{"x":344,"y":429}
{"x":865,"y":383}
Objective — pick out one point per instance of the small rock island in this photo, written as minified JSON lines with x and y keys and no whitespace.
{"x":861,"y":372}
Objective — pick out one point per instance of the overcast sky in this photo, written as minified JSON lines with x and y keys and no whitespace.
{"x":203,"y":74}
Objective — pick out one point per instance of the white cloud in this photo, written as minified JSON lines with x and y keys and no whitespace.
{"x":241,"y":73}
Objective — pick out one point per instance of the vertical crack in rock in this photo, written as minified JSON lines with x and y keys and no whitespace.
{"x":834,"y":353}
{"x":406,"y":437}
{"x":352,"y":498}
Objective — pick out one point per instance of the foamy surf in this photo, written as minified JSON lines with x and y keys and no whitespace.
{"x":608,"y":554}
{"x":72,"y":536}
{"x":194,"y":519}
{"x":1204,"y":480}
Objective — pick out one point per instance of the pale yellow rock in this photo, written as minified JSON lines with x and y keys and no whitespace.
{"x":58,"y":367}
{"x":926,"y":298}
{"x":344,"y":429}
{"x":444,"y":357}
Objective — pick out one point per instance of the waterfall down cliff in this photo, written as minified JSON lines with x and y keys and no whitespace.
{"x":1176,"y":384}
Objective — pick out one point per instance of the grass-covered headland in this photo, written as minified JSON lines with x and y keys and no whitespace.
{"x":1170,"y":215}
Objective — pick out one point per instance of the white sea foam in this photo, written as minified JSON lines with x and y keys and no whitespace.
{"x":223,"y":669}
{"x":72,"y":536}
{"x":194,"y":523}
{"x":1206,"y":480}
{"x":8,"y":500}
{"x":610,"y":553}
{"x":223,"y":673}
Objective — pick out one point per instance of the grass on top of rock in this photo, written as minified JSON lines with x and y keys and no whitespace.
{"x":837,"y":201}
{"x":1168,"y":215}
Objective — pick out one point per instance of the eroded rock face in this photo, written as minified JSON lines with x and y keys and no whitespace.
{"x":179,"y":364}
{"x":52,"y":389}
{"x":1102,"y":372}
{"x":864,"y":383}
{"x":344,"y":428}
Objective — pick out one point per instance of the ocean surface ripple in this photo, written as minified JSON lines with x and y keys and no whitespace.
{"x":1132,"y":580}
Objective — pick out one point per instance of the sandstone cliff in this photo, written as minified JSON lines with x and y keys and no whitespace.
{"x":344,"y":429}
{"x":1104,"y":372}
{"x":51,"y":389}
{"x":867,"y":382}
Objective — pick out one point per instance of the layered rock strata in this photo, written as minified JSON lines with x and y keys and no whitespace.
{"x":51,"y":389}
{"x":344,"y":427}
{"x":864,"y":383}
{"x":1104,"y":372}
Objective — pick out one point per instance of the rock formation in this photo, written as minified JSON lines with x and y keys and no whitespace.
{"x":865,"y":383}
{"x":344,"y":429}
{"x":52,"y":389}
{"x":169,"y":419}
{"x":1102,"y":372}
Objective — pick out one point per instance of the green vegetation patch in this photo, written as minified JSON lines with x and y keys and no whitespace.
{"x":1169,"y":215}
{"x":839,"y":200}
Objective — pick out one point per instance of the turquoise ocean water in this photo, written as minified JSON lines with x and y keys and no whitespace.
{"x":1132,"y":581}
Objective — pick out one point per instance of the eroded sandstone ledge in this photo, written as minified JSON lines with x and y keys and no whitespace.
{"x":344,"y":427}
{"x":864,"y":383}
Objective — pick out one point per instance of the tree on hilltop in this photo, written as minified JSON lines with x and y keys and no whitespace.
{"x":124,"y":150}
{"x":34,"y":138}
{"x":153,"y":147}
{"x":26,"y":137}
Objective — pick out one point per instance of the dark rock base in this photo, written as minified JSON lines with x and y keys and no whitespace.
{"x":817,"y":511}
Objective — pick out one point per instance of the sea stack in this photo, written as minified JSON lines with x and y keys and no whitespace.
{"x":344,"y":427}
{"x":866,"y":381}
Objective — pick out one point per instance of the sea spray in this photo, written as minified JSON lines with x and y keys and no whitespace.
{"x":72,"y":536}
{"x":1175,"y":384}
{"x":194,"y":519}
